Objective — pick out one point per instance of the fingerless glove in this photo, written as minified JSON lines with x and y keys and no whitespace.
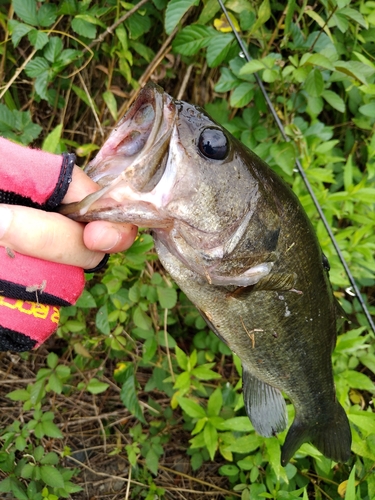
{"x":33,"y":290}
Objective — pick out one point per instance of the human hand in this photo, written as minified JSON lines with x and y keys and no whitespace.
{"x":51,"y":236}
{"x":42,"y":253}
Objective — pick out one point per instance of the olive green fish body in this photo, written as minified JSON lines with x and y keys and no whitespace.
{"x":237,"y":241}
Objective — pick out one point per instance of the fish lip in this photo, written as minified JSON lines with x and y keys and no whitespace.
{"x":150,"y":140}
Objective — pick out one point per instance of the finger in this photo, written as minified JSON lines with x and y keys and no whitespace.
{"x":80,"y":186}
{"x":109,"y":237}
{"x":48,"y":236}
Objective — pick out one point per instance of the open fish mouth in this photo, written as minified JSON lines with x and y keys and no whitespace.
{"x":131,"y":162}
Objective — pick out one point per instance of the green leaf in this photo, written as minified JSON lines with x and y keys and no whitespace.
{"x":19,"y":395}
{"x":111,"y":103}
{"x":51,"y":458}
{"x":95,"y":386}
{"x":18,"y":30}
{"x":36,"y":67}
{"x":176,"y":9}
{"x":138,"y":25}
{"x":128,"y":394}
{"x":101,"y":320}
{"x":47,"y":14}
{"x":285,"y":156}
{"x":38,"y":39}
{"x":53,"y":49}
{"x":52,"y":360}
{"x":193,"y":409}
{"x":26,"y":10}
{"x":334,"y":100}
{"x":86,"y":300}
{"x":358,"y":380}
{"x":264,"y":13}
{"x":152,"y":461}
{"x":84,"y":28}
{"x":51,"y":430}
{"x":242,"y":95}
{"x":239,"y":424}
{"x":252,"y":67}
{"x":51,"y":476}
{"x":314,"y":83}
{"x":182,"y":359}
{"x":215,"y":402}
{"x":141,"y":319}
{"x":350,"y":487}
{"x":167,"y":297}
{"x":210,"y":439}
{"x":203,"y":372}
{"x":52,"y":141}
{"x":317,"y":60}
{"x":368,"y":109}
{"x":192,"y":38}
{"x":218,"y":48}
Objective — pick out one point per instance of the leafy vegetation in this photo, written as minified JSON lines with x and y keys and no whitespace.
{"x":133,"y":376}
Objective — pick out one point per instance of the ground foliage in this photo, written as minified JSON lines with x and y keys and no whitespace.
{"x":134,"y":397}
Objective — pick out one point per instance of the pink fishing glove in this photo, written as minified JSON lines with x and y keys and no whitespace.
{"x":33,"y":290}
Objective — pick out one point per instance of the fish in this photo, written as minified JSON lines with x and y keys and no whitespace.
{"x":237,"y":241}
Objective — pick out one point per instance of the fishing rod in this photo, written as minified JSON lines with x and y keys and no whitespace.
{"x":302,"y":173}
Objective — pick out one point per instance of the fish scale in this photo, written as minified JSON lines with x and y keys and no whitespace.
{"x":237,"y":241}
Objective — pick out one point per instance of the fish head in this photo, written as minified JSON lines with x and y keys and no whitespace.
{"x":169,"y":166}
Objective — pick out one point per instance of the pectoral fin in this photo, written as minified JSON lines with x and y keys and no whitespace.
{"x":265,"y":405}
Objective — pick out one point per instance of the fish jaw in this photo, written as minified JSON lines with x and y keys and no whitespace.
{"x":130,"y":164}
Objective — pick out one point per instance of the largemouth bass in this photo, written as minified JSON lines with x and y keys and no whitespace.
{"x":237,"y":241}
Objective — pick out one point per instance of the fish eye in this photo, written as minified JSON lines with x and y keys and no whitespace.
{"x":213,"y":144}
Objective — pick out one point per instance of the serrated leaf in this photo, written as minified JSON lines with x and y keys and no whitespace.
{"x":252,"y":67}
{"x":101,"y":320}
{"x":167,"y":296}
{"x":314,"y":83}
{"x":191,"y":408}
{"x":215,"y":402}
{"x":210,"y":439}
{"x":176,"y":9}
{"x":47,"y":14}
{"x":191,"y":39}
{"x":86,"y":300}
{"x":19,"y":395}
{"x":128,"y":394}
{"x":18,"y":30}
{"x":36,"y":67}
{"x":218,"y":49}
{"x":51,"y":430}
{"x":95,"y":386}
{"x":138,"y":25}
{"x":242,"y":95}
{"x":182,"y":358}
{"x":26,"y":10}
{"x":84,"y":28}
{"x":141,"y":319}
{"x":368,"y":109}
{"x":52,"y":141}
{"x":239,"y":424}
{"x":284,"y":156}
{"x":334,"y":100}
{"x":38,"y":39}
{"x":53,"y":49}
{"x":317,"y":60}
{"x":51,"y":476}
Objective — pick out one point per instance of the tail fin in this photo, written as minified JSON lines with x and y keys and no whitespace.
{"x":331,"y":435}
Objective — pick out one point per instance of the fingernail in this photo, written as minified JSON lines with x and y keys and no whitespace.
{"x":6,"y":216}
{"x":107,"y":240}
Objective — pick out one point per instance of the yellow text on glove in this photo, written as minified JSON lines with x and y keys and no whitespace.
{"x":41,"y":311}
